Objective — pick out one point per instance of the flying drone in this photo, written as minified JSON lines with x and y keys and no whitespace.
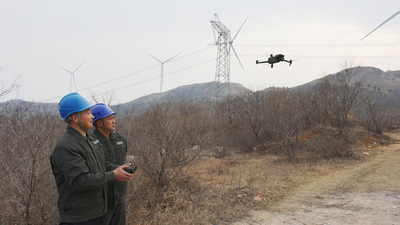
{"x":275,"y":59}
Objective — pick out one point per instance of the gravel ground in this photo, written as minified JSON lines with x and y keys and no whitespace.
{"x":367,"y":193}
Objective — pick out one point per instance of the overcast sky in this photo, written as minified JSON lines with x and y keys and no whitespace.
{"x":38,"y":38}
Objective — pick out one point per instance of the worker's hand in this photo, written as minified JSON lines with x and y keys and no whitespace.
{"x":121,"y":175}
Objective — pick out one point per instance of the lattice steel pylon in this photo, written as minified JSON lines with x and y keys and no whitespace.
{"x":224,"y":44}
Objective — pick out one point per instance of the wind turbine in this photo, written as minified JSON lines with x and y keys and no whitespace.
{"x":162,"y":67}
{"x":391,"y":17}
{"x":231,"y":47}
{"x":224,"y":44}
{"x":72,"y":78}
{"x":17,"y":94}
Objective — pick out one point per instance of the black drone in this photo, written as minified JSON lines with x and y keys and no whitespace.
{"x":275,"y":59}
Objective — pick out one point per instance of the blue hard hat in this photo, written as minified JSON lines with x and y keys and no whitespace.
{"x":72,"y":103}
{"x":100,"y":111}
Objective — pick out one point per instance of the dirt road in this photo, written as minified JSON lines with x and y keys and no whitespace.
{"x":367,"y":193}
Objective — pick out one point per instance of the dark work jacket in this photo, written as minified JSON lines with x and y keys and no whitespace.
{"x":79,"y":169}
{"x":115,"y":150}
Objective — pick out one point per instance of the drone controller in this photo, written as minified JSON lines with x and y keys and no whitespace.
{"x":132,"y":168}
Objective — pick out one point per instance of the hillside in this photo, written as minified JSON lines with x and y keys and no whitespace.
{"x":375,"y":80}
{"x":203,"y":92}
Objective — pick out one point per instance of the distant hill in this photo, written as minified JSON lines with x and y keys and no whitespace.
{"x":375,"y":80}
{"x":13,"y":105}
{"x":203,"y":92}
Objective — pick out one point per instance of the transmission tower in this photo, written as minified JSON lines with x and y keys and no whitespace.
{"x":224,"y":44}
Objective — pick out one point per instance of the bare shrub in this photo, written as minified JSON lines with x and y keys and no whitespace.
{"x":221,"y":152}
{"x":224,"y":131}
{"x":338,"y":94}
{"x":328,"y":145}
{"x":251,"y":113}
{"x":377,"y":111}
{"x":7,"y":87}
{"x":29,"y":195}
{"x":243,"y":121}
{"x":289,"y":120}
{"x":169,"y":136}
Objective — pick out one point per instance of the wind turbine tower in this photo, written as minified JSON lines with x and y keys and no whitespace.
{"x":162,"y":67}
{"x":224,"y":44}
{"x":72,"y":77}
{"x":18,"y":93}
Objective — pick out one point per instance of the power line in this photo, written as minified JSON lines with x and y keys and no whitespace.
{"x":244,"y":55}
{"x":154,"y":78}
{"x":321,"y":45}
{"x":119,"y":78}
{"x":330,"y":56}
{"x":143,"y":70}
{"x":143,"y":81}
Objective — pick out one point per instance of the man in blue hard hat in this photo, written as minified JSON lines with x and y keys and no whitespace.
{"x":78,"y":166}
{"x":115,"y":149}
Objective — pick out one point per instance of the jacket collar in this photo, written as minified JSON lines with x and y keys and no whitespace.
{"x":101,"y":136}
{"x":77,"y":134}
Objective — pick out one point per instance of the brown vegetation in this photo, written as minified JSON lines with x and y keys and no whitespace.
{"x":200,"y":163}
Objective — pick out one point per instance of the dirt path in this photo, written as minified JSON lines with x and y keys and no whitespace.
{"x":368,"y":193}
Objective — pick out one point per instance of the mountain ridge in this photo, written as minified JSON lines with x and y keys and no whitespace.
{"x":387,"y":82}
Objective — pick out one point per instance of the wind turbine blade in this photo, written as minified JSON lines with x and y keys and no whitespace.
{"x":73,"y":77}
{"x":237,"y":56}
{"x":172,"y":57}
{"x":66,"y":70}
{"x":154,"y":58}
{"x":381,"y":24}
{"x":79,"y":66}
{"x":239,"y":29}
{"x":213,"y":31}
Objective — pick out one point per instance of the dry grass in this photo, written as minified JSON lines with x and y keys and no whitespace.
{"x":226,"y":188}
{"x":221,"y":190}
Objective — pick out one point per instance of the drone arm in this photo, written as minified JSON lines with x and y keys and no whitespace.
{"x":288,"y":61}
{"x":258,"y":62}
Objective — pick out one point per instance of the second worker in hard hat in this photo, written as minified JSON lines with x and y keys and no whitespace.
{"x":78,"y":166}
{"x":115,"y":149}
